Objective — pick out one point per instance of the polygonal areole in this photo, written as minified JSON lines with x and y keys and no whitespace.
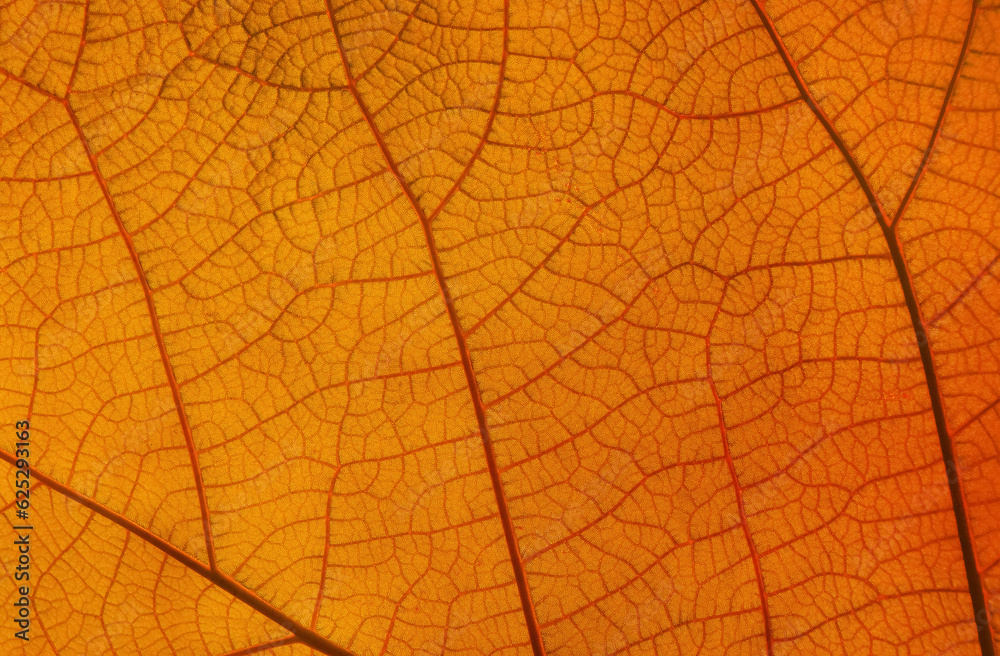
{"x":509,"y":326}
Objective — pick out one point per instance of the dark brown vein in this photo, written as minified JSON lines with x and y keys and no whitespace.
{"x":977,"y":590}
{"x":302,"y":634}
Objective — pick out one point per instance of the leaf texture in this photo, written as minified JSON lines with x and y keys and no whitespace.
{"x":504,"y":326}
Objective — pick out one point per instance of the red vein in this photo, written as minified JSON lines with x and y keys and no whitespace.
{"x":940,"y":119}
{"x":977,"y":591}
{"x":965,"y":292}
{"x":79,"y":49}
{"x":531,"y":274}
{"x":520,"y":578}
{"x":979,"y":415}
{"x":157,"y":333}
{"x":302,"y":634}
{"x":486,"y":129}
{"x":663,"y":108}
{"x":113,"y":580}
{"x":34,"y":87}
{"x":56,"y":178}
{"x":326,"y":552}
{"x":738,"y":489}
{"x":395,"y":40}
{"x":261,"y":81}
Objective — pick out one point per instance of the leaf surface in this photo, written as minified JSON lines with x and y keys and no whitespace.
{"x":504,"y":327}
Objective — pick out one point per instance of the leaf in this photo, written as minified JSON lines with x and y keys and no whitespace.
{"x":503,"y":327}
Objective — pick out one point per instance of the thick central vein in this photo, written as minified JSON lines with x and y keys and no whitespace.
{"x":977,"y":590}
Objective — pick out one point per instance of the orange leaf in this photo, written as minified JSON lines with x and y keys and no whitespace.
{"x":501,"y":326}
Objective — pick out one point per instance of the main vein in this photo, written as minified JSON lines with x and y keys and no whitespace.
{"x":977,"y":589}
{"x":510,"y":537}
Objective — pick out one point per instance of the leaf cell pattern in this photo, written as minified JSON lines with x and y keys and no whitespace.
{"x":504,"y":326}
